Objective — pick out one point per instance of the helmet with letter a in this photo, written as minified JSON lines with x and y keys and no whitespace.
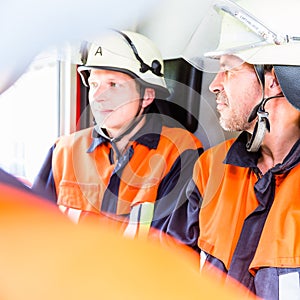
{"x":129,"y":52}
{"x":257,"y":32}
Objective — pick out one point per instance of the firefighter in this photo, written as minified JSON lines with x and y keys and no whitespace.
{"x":129,"y":168}
{"x":250,"y":185}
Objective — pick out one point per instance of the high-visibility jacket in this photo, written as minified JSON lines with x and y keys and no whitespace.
{"x":44,"y":256}
{"x":144,"y":188}
{"x":249,"y":222}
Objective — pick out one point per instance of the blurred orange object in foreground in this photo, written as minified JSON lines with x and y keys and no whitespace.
{"x":45,"y":256}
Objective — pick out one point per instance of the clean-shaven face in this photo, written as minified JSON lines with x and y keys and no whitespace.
{"x":114,"y":98}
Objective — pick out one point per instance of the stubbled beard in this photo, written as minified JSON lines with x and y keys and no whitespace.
{"x":232,"y":119}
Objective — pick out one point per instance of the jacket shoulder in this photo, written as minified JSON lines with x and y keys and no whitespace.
{"x":75,"y":137}
{"x":181,"y":136}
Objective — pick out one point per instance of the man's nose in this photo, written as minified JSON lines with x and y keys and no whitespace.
{"x":99,"y":93}
{"x":216,"y":85}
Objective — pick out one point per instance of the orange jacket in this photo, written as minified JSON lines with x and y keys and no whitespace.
{"x":82,"y":178}
{"x":44,"y":256}
{"x":226,"y":178}
{"x":223,"y":212}
{"x":148,"y":182}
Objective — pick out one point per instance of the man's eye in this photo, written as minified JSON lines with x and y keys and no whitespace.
{"x":113,"y":84}
{"x":226,"y":71}
{"x":93,"y":84}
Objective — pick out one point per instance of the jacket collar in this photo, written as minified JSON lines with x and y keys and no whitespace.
{"x":239,"y":156}
{"x":148,"y":135}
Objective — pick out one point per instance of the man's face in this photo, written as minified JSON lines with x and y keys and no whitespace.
{"x":114,"y":98}
{"x":237,"y":91}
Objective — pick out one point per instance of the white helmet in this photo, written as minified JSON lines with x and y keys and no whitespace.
{"x":130,"y":53}
{"x":258,"y":32}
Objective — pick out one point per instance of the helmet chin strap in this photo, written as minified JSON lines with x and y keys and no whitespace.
{"x":137,"y":118}
{"x":262,"y":124}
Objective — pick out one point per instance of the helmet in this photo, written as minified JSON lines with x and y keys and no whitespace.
{"x":130,"y":53}
{"x":258,"y":32}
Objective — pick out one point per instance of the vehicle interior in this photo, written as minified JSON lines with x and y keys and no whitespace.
{"x":50,"y":99}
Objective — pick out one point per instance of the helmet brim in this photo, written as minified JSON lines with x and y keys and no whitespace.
{"x":161,"y":92}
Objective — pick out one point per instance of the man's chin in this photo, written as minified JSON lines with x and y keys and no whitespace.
{"x":227,"y":126}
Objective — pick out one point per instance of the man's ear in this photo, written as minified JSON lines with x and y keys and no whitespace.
{"x":272,"y":83}
{"x":149,"y":97}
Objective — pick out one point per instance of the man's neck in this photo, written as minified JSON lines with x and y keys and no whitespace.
{"x":123,"y":143}
{"x":276,"y":147}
